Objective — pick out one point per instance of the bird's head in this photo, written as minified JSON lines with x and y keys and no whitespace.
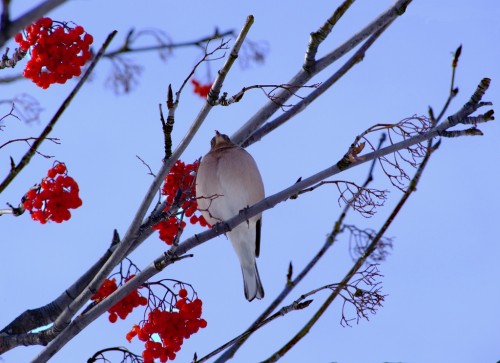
{"x":220,"y":141}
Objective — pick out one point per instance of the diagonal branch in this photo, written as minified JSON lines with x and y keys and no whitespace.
{"x":27,"y":18}
{"x":303,"y":104}
{"x":322,"y":33}
{"x":296,"y":305}
{"x":303,"y":76}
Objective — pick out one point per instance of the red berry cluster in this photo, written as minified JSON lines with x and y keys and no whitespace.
{"x":201,"y":89}
{"x":182,"y":176}
{"x":169,"y":228}
{"x":171,"y":326}
{"x":123,"y":307}
{"x":107,"y":288}
{"x":58,"y":52}
{"x":53,"y":197}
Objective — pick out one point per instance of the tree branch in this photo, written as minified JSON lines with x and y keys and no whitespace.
{"x":29,"y":17}
{"x":322,"y":33}
{"x":126,"y":48}
{"x":304,"y":103}
{"x":303,"y":76}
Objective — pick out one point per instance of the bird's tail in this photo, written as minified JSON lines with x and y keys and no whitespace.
{"x":252,"y":284}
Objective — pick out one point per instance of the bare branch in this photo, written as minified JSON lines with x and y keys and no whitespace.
{"x":360,"y":239}
{"x":463,"y":115}
{"x":253,"y":51}
{"x":363,"y":293}
{"x":150,"y":172}
{"x":127,"y":355}
{"x":125,"y":75}
{"x":30,"y":144}
{"x":15,"y":26}
{"x":453,"y":90}
{"x":322,"y":33}
{"x":361,"y":199}
{"x":26,"y":106}
{"x":271,"y":95}
{"x":207,"y":57}
{"x":323,"y":87}
{"x":164,"y":43}
{"x":10,"y":79}
{"x":10,"y":62}
{"x":296,"y":305}
{"x":10,"y":113}
{"x":302,"y":77}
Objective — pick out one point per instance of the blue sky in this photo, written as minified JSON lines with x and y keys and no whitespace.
{"x":441,"y":277}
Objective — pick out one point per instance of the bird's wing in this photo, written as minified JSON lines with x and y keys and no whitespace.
{"x":239,"y":178}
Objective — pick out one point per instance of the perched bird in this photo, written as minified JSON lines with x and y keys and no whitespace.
{"x":228,"y":181}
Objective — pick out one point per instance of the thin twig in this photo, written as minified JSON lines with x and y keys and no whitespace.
{"x":453,"y":90}
{"x":125,"y":48}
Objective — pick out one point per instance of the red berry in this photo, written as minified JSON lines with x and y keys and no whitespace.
{"x":113,"y":318}
{"x":19,"y":38}
{"x":51,"y":173}
{"x":88,"y":39}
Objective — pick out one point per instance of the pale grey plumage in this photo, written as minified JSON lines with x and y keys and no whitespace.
{"x":228,"y":181}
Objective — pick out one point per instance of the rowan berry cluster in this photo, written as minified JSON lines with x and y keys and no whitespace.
{"x":171,"y":326}
{"x":201,"y":89}
{"x":123,"y":307}
{"x":53,"y":197}
{"x":169,"y":229}
{"x":58,"y":51}
{"x":181,"y":177}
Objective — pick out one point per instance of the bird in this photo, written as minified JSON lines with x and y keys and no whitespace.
{"x":228,"y":181}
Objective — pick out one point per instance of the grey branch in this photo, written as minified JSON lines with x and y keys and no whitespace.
{"x":15,"y":26}
{"x":303,"y":76}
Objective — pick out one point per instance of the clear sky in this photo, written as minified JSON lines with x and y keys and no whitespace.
{"x":441,"y":278}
